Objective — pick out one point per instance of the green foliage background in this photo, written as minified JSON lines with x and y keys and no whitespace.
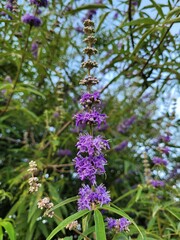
{"x":138,"y":70}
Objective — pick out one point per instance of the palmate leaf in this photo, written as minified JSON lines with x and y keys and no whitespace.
{"x":66,"y":221}
{"x":99,"y":225}
{"x":122,"y":214}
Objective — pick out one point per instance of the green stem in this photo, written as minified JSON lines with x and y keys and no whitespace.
{"x":18,"y":73}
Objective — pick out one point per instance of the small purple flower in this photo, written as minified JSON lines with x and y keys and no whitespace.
{"x":89,"y":167}
{"x":121,"y":146}
{"x":166,"y":138}
{"x":111,"y":222}
{"x":89,"y":14}
{"x":9,"y":5}
{"x":34,"y":49}
{"x":159,"y":161}
{"x":90,"y":145}
{"x":119,"y":225}
{"x":115,"y":15}
{"x":93,"y":117}
{"x":88,"y":197}
{"x":64,"y":152}
{"x":157,"y":183}
{"x":123,"y":224}
{"x":39,"y":3}
{"x":135,"y":3}
{"x":87,"y":99}
{"x":31,"y":20}
{"x":79,"y":29}
{"x":125,"y":125}
{"x":164,"y":150}
{"x":56,"y":114}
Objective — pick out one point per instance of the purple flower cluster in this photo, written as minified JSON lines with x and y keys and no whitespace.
{"x":157,"y":183}
{"x":119,"y":225}
{"x":90,"y":160}
{"x":159,"y":161}
{"x":88,"y":197}
{"x":87,"y":99}
{"x":90,"y":145}
{"x":93,"y":162}
{"x":31,"y":20}
{"x":39,"y":3}
{"x":87,"y":118}
{"x":125,"y":125}
{"x":90,"y":166}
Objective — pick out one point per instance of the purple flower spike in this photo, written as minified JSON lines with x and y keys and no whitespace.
{"x":94,"y":117}
{"x":88,"y":197}
{"x":31,"y":20}
{"x":121,"y":146}
{"x":39,"y":3}
{"x":159,"y":161}
{"x":34,"y":49}
{"x":64,"y":152}
{"x":157,"y":183}
{"x":125,"y":125}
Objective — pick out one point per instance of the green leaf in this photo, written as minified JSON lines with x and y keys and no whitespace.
{"x":138,"y":193}
{"x":66,"y":221}
{"x":99,"y":225}
{"x":102,"y":18}
{"x":172,"y":12}
{"x":172,"y":20}
{"x":88,"y":6}
{"x":121,"y":213}
{"x":140,"y":21}
{"x":9,"y":229}
{"x":87,"y":232}
{"x":69,"y":200}
{"x":27,"y":89}
{"x":156,"y":208}
{"x":158,"y":8}
{"x":125,"y":195}
{"x":1,"y":232}
{"x":148,"y":32}
{"x":174,"y":213}
{"x":29,"y":113}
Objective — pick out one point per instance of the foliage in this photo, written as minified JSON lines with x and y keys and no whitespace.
{"x":138,"y":50}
